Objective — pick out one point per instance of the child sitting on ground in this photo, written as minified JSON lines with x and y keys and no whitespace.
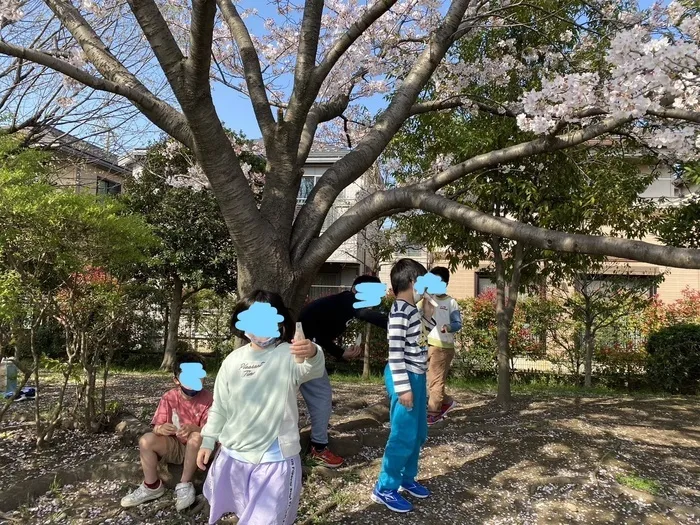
{"x":404,"y":377}
{"x":257,"y":472}
{"x":177,"y":423}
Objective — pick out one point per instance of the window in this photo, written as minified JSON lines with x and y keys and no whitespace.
{"x":413,"y":251}
{"x":484,"y":283}
{"x":307,"y":184}
{"x":632,"y":282}
{"x":108,"y":187}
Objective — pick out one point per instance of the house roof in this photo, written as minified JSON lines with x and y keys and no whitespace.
{"x":53,"y":138}
{"x":320,"y":153}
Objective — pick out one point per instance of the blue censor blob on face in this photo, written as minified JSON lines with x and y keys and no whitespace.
{"x":260,"y":320}
{"x":369,"y":294}
{"x":430,"y":283}
{"x":191,"y":375}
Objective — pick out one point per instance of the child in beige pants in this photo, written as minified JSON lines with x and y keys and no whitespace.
{"x":441,"y":350}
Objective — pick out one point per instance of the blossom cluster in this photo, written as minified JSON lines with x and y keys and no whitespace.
{"x":10,"y":10}
{"x":621,"y":60}
{"x":652,"y":64}
{"x":195,"y":178}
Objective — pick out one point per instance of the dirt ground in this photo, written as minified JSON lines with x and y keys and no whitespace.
{"x":578,"y":460}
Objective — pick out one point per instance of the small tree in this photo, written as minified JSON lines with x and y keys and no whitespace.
{"x":594,"y":301}
{"x":48,"y":237}
{"x":195,"y":250}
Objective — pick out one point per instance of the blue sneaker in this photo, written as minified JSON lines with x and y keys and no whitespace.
{"x":415,"y":489}
{"x":392,"y":499}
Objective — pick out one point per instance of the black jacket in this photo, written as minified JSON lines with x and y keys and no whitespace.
{"x":325,"y":319}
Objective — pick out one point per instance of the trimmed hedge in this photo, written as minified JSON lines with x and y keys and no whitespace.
{"x":674,"y":359}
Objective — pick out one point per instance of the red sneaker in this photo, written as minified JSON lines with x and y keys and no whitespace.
{"x":326,"y":458}
{"x":447,"y":407}
{"x":434,"y":418}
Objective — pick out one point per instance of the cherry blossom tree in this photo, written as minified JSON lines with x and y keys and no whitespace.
{"x":308,"y":68}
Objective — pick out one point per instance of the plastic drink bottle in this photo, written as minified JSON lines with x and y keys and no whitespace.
{"x":176,"y":420}
{"x":299,"y":336}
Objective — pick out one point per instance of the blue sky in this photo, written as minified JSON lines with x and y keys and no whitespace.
{"x":235,"y":110}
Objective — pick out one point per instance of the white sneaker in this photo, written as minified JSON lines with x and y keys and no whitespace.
{"x":142,"y":494}
{"x":185,"y":495}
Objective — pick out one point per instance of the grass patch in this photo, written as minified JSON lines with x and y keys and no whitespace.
{"x":55,"y":488}
{"x":639,"y":483}
{"x":490,"y":386}
{"x":487,"y":385}
{"x":342,"y":377}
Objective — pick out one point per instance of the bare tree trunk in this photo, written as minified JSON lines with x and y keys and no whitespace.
{"x":589,"y":344}
{"x":37,"y":413}
{"x":105,"y":375}
{"x":365,"y":367}
{"x":502,"y":330}
{"x":175,"y":310}
{"x":58,"y":412}
{"x":276,"y":276}
{"x":90,"y":398}
{"x":80,"y":393}
{"x":505,"y":309}
{"x":166,"y":320}
{"x":19,"y":337}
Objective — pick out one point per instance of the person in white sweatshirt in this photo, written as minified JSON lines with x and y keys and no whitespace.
{"x":256,"y":474}
{"x":441,"y":350}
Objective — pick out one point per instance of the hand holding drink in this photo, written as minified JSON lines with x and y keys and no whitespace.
{"x":298,"y":338}
{"x":429,"y":305}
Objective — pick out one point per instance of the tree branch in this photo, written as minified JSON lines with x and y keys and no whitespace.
{"x":456,"y":102}
{"x":321,"y":113}
{"x":251,"y":68}
{"x":157,"y":111}
{"x":306,"y":55}
{"x":367,"y":210}
{"x":525,"y":149}
{"x":161,"y":40}
{"x":198,"y":64}
{"x":354,"y":164}
{"x":673,"y":113}
{"x":341,"y":46}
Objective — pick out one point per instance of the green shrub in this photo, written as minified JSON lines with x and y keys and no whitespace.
{"x":674,"y":359}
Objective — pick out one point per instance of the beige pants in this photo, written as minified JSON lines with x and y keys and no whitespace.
{"x":175,"y":451}
{"x":439,"y":363}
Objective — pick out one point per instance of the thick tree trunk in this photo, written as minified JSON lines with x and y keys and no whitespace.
{"x":275,"y":275}
{"x":366,"y":368}
{"x":175,"y":309}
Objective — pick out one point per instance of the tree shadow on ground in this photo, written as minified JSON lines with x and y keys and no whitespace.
{"x":554,"y":461}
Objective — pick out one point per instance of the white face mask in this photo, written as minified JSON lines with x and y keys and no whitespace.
{"x":262,"y":342}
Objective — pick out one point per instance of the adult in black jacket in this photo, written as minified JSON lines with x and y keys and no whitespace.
{"x":324,"y":321}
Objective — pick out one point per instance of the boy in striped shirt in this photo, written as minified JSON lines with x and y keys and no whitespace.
{"x":404,"y":377}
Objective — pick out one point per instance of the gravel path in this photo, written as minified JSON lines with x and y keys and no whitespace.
{"x":549,"y":460}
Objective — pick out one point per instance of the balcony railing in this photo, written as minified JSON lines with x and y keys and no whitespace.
{"x":318,"y":290}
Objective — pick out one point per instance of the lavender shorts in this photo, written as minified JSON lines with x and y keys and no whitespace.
{"x":263,"y":494}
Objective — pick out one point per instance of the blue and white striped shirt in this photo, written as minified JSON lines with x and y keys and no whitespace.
{"x":406,"y":323}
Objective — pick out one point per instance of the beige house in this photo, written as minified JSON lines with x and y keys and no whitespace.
{"x":351,"y":258}
{"x":81,"y":165}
